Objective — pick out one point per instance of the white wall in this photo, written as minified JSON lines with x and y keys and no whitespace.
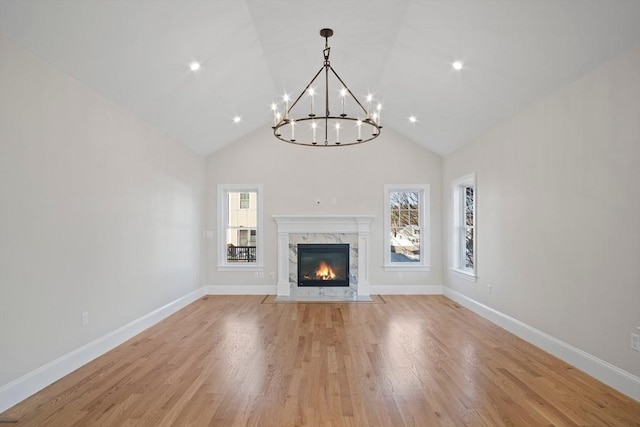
{"x":99,"y":212}
{"x":558,"y":213}
{"x":293,"y":176}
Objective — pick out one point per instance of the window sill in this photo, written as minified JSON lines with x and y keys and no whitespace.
{"x":470,"y":277}
{"x":407,"y":267}
{"x":244,"y":267}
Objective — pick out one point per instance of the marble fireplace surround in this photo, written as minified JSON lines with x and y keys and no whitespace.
{"x":323,"y":224}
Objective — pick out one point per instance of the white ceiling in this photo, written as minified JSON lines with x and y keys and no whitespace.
{"x":137,"y":53}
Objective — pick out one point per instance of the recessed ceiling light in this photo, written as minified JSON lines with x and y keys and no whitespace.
{"x":413,"y":119}
{"x":457,"y":65}
{"x":194,"y":66}
{"x":237,"y":119}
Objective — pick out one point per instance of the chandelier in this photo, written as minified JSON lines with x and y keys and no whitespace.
{"x":352,"y":124}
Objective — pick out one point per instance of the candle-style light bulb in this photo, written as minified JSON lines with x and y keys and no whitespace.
{"x":369,"y":99}
{"x":274,"y":108}
{"x":337,"y":133}
{"x":343,"y":95}
{"x":312,"y":92}
{"x":378,"y":115}
{"x":286,"y":106}
{"x":359,"y":124}
{"x":313,"y":131}
{"x":293,"y":130}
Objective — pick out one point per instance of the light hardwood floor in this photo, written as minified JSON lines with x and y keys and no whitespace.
{"x":411,"y":361}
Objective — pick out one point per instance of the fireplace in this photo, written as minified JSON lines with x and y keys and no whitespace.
{"x":345,"y":229}
{"x":323,"y":264}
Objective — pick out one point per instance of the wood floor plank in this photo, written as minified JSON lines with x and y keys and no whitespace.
{"x":404,"y":361}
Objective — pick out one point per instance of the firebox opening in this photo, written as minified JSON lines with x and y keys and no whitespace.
{"x":323,"y":264}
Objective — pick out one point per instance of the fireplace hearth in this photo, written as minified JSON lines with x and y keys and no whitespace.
{"x":323,"y":264}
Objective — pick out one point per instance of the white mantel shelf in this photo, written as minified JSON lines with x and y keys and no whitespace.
{"x":358,"y":224}
{"x":322,"y":223}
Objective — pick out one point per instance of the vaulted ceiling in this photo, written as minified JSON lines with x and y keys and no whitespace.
{"x":137,"y":54}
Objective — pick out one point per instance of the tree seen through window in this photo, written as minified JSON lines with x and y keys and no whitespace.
{"x":405,"y":226}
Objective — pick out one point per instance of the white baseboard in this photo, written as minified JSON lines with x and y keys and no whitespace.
{"x":34,"y":381}
{"x":240,"y":289}
{"x":406,"y":290}
{"x":613,"y":376}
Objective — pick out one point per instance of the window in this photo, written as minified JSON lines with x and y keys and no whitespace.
{"x":245,"y":200}
{"x":464,"y":226}
{"x":406,"y":228}
{"x":239,"y":227}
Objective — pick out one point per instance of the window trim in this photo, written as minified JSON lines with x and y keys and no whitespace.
{"x":457,"y":195}
{"x":223,"y":213}
{"x":424,"y":194}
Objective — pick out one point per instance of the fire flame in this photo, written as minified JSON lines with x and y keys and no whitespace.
{"x":324,"y":272}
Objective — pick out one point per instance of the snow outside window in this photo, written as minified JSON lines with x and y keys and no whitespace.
{"x":464,"y":197}
{"x":406,"y":227}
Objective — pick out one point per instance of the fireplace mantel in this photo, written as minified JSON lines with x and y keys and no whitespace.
{"x":357,"y":224}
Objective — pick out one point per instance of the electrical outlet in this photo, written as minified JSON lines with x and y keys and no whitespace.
{"x":85,"y":318}
{"x":635,"y":341}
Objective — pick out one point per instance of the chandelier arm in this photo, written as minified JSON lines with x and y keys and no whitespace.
{"x":304,"y":90}
{"x":364,"y":110}
{"x":326,"y":98}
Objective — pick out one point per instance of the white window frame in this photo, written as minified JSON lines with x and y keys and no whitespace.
{"x":457,"y":196}
{"x":424,"y":203}
{"x":223,"y":220}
